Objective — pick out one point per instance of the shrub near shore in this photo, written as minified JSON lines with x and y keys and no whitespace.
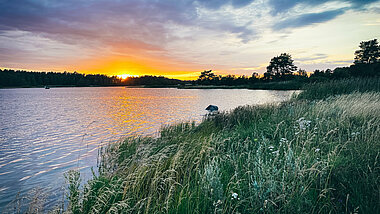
{"x":300,"y":156}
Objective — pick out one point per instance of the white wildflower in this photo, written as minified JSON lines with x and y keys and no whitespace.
{"x":303,"y":124}
{"x":283,"y":140}
{"x":354,"y":134}
{"x":218,"y":203}
{"x":235,"y":196}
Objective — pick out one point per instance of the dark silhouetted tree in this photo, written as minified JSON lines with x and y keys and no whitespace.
{"x":228,"y":80}
{"x":281,"y":65}
{"x":369,"y":52}
{"x":206,"y":77}
{"x":302,"y":72}
{"x":255,"y":77}
{"x":267,"y":76}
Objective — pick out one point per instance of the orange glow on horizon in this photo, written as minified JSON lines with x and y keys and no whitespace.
{"x":124,"y":67}
{"x":125,"y":76}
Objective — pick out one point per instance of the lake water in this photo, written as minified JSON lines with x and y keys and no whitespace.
{"x":44,"y":133}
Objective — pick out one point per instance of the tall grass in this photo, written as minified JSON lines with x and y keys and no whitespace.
{"x":323,"y":90}
{"x":297,"y":157}
{"x":281,"y":85}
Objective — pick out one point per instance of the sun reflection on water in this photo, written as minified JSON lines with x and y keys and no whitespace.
{"x":44,"y":133}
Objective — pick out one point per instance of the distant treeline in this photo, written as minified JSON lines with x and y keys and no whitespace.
{"x":281,"y":74}
{"x":358,"y":70}
{"x":12,"y":78}
{"x":151,"y":81}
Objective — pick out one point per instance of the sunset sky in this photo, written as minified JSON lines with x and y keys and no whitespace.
{"x":178,"y":38}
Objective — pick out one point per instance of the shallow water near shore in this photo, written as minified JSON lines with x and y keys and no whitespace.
{"x":44,"y":133}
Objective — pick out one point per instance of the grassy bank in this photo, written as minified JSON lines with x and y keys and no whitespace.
{"x":281,"y":85}
{"x":323,"y":90}
{"x":302,"y":156}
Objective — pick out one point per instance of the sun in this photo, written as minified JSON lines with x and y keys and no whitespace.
{"x":125,"y":76}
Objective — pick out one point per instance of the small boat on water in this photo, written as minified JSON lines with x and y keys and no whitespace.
{"x":47,"y":87}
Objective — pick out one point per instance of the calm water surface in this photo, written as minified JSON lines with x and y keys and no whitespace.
{"x":44,"y":133}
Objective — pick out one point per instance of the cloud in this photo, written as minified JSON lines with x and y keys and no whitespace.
{"x":312,"y":58}
{"x":118,"y":27}
{"x":216,"y":4}
{"x":281,"y":6}
{"x":361,"y":3}
{"x":77,"y":22}
{"x":242,"y":32}
{"x":307,"y":19}
{"x":311,"y":11}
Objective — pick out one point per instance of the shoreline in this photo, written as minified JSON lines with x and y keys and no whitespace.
{"x":266,"y":86}
{"x":309,"y":153}
{"x":317,"y":146}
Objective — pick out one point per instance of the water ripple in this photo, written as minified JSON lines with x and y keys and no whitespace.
{"x":44,"y":133}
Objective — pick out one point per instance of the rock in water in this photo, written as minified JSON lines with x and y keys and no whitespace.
{"x":212,"y":108}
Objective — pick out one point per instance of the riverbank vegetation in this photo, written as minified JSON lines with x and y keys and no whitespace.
{"x":317,"y":153}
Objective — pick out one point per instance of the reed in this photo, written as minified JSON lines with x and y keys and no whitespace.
{"x":321,"y":90}
{"x":300,"y":156}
